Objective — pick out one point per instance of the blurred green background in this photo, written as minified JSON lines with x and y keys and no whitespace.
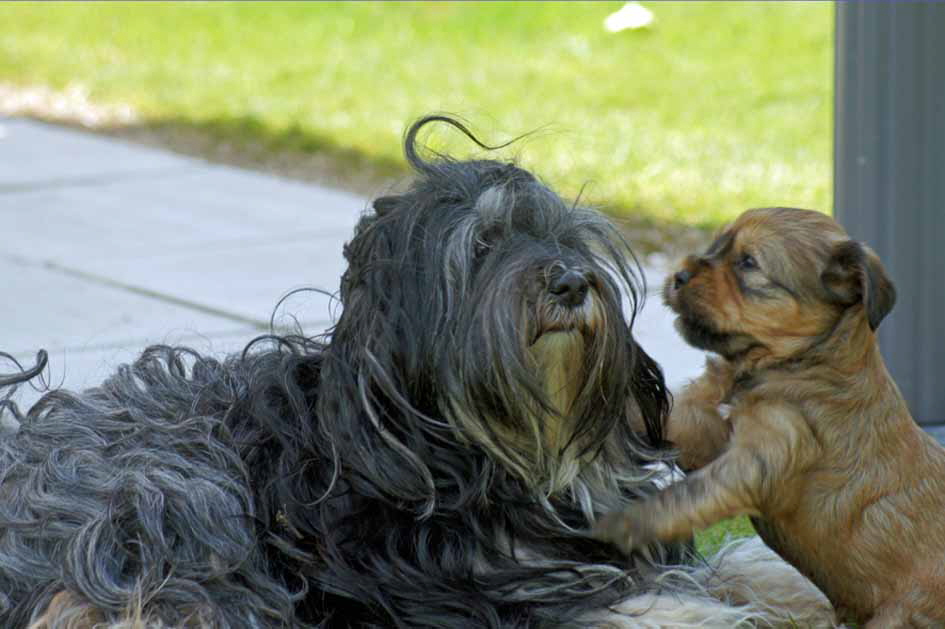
{"x":714,"y":108}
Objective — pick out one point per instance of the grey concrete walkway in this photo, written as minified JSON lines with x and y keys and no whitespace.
{"x":109,"y":246}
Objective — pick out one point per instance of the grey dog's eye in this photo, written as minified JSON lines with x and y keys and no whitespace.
{"x":746,"y":262}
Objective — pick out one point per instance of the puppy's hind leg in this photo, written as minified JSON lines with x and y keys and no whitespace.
{"x":921,"y":609}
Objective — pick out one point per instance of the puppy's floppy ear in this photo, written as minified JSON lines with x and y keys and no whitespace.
{"x":854,"y":274}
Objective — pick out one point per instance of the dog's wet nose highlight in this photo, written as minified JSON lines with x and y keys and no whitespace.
{"x":570,"y":288}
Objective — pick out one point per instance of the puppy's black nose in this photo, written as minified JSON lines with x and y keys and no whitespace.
{"x":681,"y":279}
{"x":570,"y":288}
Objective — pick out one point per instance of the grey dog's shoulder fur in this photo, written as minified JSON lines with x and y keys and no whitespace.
{"x":139,"y":488}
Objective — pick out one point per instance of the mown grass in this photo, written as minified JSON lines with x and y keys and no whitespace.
{"x":718,"y":107}
{"x":711,"y":539}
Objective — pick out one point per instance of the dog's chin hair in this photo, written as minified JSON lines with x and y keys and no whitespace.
{"x":559,"y":357}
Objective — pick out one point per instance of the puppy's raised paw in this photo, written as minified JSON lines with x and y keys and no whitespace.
{"x":626,"y":530}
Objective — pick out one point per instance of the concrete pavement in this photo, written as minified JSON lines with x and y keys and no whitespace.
{"x":109,"y":246}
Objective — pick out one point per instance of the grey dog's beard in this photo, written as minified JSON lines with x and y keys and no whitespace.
{"x":560,"y":358}
{"x":563,"y":357}
{"x":562,"y":350}
{"x":557,"y":359}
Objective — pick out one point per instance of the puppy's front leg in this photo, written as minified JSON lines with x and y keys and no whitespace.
{"x":696,"y":427}
{"x":725,"y":488}
{"x":770,"y":442}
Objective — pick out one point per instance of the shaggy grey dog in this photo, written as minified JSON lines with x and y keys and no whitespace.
{"x":436,"y":460}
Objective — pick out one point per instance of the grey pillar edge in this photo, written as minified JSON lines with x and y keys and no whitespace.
{"x":889,"y":176}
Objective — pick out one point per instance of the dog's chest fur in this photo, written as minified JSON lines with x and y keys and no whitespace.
{"x":792,"y":522}
{"x":867,"y":479}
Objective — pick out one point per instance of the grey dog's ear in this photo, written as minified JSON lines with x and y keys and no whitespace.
{"x":855,"y":275}
{"x":383,"y":205}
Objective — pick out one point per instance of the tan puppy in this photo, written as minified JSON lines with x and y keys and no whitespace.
{"x":818,"y":445}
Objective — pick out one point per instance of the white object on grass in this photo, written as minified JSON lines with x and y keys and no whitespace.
{"x":631,"y":15}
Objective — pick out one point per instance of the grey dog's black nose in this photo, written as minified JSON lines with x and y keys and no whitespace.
{"x":570,"y":288}
{"x":681,"y":279}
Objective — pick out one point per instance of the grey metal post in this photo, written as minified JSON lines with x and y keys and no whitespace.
{"x":889,"y":176}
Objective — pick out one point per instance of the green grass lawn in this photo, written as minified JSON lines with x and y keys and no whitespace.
{"x":718,"y":107}
{"x":711,"y":539}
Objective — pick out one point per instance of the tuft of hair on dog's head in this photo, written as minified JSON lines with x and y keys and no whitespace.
{"x":481,"y":297}
{"x":777,"y":283}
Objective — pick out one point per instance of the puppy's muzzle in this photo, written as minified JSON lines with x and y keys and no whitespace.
{"x":691,"y":266}
{"x":681,"y":278}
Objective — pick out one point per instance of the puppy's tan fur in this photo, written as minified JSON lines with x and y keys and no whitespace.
{"x":818,"y":444}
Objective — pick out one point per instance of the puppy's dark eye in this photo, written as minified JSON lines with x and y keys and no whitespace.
{"x":746,"y":262}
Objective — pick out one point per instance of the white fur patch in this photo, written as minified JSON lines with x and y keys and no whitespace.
{"x":745,"y":585}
